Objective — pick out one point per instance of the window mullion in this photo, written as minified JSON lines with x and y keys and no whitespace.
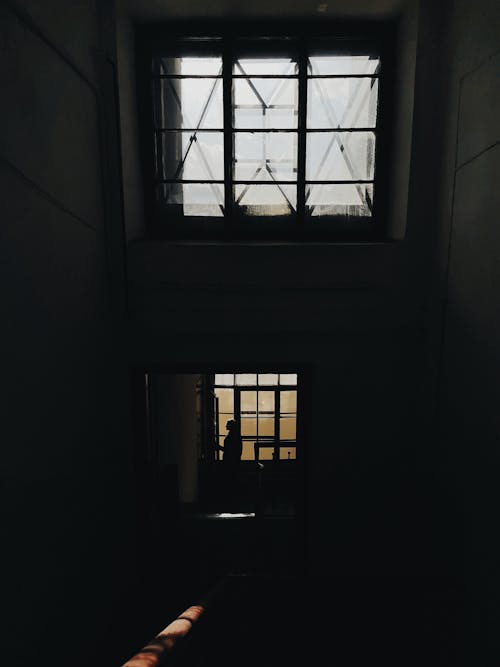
{"x":301,"y":138}
{"x":277,"y":414}
{"x":227,"y":94}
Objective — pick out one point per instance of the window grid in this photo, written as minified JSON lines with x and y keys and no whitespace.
{"x":339,"y":131}
{"x":252,"y":409}
{"x":228,"y":188}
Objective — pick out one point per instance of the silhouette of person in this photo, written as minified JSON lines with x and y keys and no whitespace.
{"x":232,"y":448}
{"x":233,"y":444}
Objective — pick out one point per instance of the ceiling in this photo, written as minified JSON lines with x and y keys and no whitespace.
{"x":157,"y":10}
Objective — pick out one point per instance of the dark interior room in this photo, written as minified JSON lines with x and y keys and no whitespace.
{"x":252,"y":332}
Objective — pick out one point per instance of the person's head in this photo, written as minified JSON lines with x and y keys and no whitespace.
{"x":231,"y":425}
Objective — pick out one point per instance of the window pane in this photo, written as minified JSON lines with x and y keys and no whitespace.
{"x":266,"y":453}
{"x":197,"y":156}
{"x":288,"y":453}
{"x":268,"y":66}
{"x":342,"y":103}
{"x":223,"y":419}
{"x":266,"y":426}
{"x":266,"y":401}
{"x":189,"y":103}
{"x":362,"y":64}
{"x":340,"y":156}
{"x":263,"y":156}
{"x":246,"y":379}
{"x":249,"y":426}
{"x":224,"y":379}
{"x":248,"y":452}
{"x":265,"y":103}
{"x":248,"y":401}
{"x":266,"y":200}
{"x":191,"y":199}
{"x":288,"y":378}
{"x":354,"y":200}
{"x":187,"y":65}
{"x":268,"y":378}
{"x":167,"y":111}
{"x":226,"y":400}
{"x":288,"y":401}
{"x":288,"y":428}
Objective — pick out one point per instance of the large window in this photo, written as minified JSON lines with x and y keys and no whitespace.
{"x":265,"y":404}
{"x":255,"y":135}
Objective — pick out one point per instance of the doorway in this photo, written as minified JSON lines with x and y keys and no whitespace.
{"x":265,"y":406}
{"x":184,"y":417}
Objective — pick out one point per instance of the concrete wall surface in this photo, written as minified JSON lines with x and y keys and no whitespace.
{"x":469,"y":275}
{"x":399,"y":340}
{"x":65,"y":474}
{"x":356,"y":315}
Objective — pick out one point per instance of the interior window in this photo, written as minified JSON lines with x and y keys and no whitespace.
{"x":265,"y":405}
{"x":264,"y":134}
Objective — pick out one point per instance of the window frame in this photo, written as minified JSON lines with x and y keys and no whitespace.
{"x":276,"y":442}
{"x":338,"y":37}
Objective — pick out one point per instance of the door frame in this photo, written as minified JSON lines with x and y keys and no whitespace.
{"x":142,"y":449}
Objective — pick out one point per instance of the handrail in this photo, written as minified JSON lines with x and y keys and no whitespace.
{"x":156,"y":651}
{"x":271,"y":442}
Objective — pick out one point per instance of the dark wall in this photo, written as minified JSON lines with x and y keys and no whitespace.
{"x":384,"y":487}
{"x":356,"y":316}
{"x":65,"y":474}
{"x":469,"y":278}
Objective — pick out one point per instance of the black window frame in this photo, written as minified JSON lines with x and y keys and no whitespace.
{"x":274,"y":441}
{"x":266,"y":38}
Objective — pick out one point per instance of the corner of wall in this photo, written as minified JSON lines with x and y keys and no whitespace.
{"x":406,"y":53}
{"x":129,"y":133}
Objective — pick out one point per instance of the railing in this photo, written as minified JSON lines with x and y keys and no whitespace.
{"x":277,"y":445}
{"x":165,"y":647}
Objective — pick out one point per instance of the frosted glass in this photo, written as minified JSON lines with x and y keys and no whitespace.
{"x":226,"y":400}
{"x":266,"y":453}
{"x":266,"y":200}
{"x":195,"y":156}
{"x":342,"y":103}
{"x":288,"y":401}
{"x":248,"y":401}
{"x":266,"y":426}
{"x":267,"y":66}
{"x":288,"y":453}
{"x":266,"y":401}
{"x":189,"y":103}
{"x":246,"y":379}
{"x":288,"y":428}
{"x":224,"y":378}
{"x":268,"y":379}
{"x":265,"y":103}
{"x":187,"y":65}
{"x":260,"y":156}
{"x":194,"y":199}
{"x":248,"y":452}
{"x":288,"y":378}
{"x":350,"y":200}
{"x":340,"y":156}
{"x":345,"y":64}
{"x":249,"y":426}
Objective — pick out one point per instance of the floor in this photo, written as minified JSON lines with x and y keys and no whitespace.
{"x":267,"y":621}
{"x":270,"y":613}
